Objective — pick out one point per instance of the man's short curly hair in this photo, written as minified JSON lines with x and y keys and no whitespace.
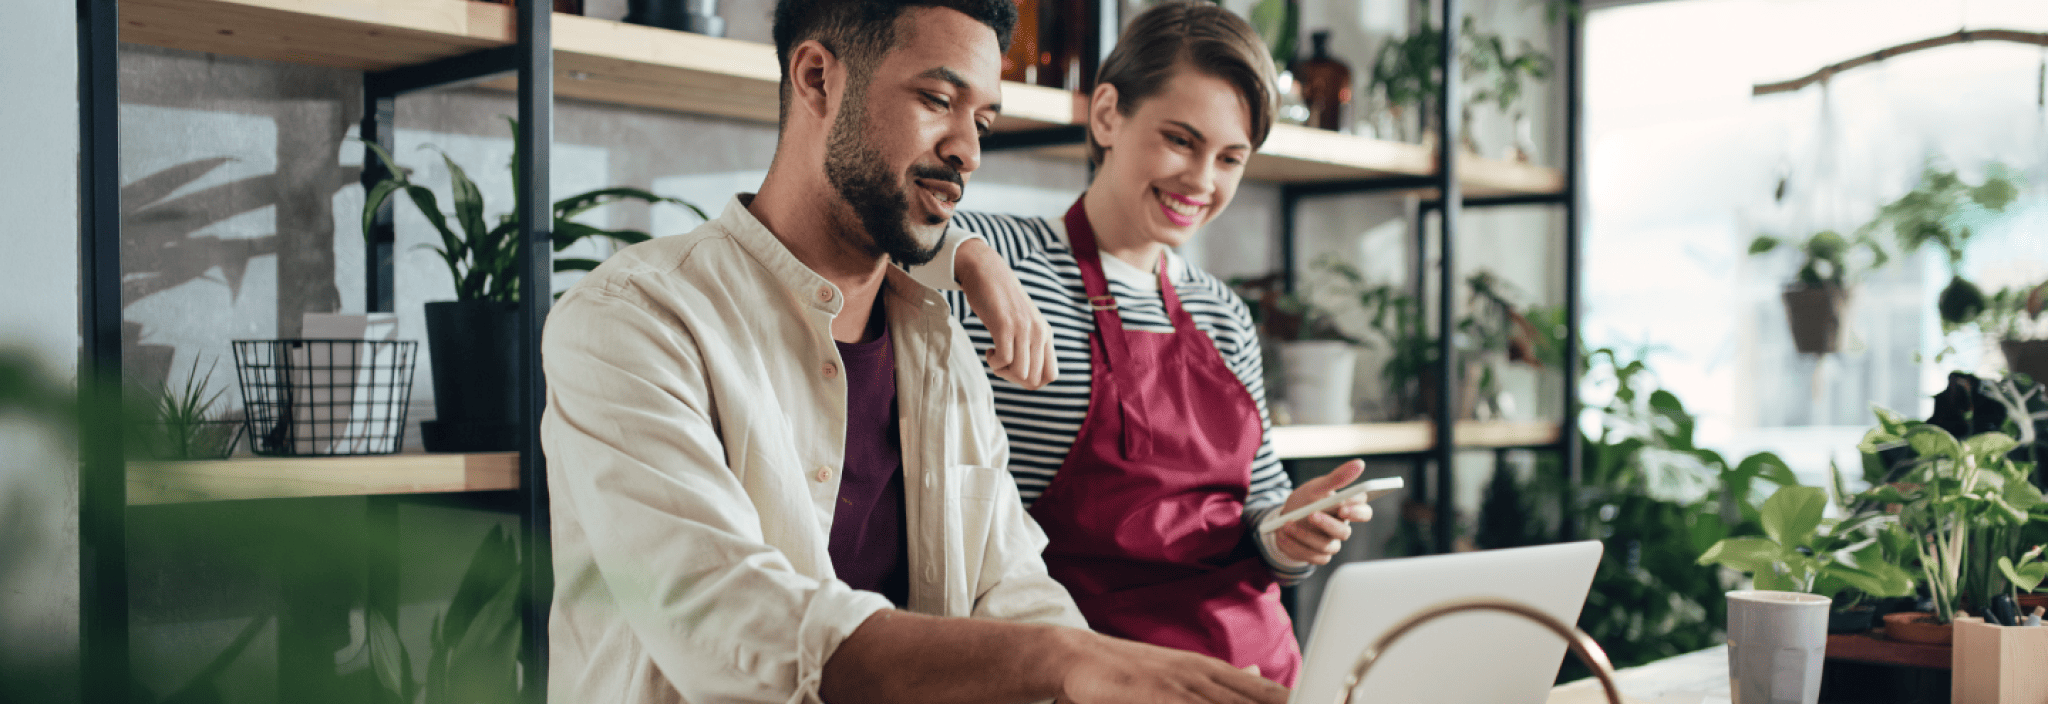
{"x":859,"y":32}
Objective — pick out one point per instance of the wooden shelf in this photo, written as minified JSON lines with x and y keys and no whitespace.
{"x":300,"y":477}
{"x":1872,"y":647}
{"x":597,"y":60}
{"x":625,"y":64}
{"x":1307,"y":441}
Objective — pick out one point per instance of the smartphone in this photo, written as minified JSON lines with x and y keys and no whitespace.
{"x":1372,"y":488}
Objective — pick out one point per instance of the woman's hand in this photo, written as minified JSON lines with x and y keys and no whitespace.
{"x":1022,"y":341}
{"x":1315,"y":538}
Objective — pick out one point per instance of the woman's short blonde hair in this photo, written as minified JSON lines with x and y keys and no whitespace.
{"x":1202,"y":36}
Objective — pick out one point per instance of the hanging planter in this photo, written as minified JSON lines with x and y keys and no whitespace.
{"x":1815,"y":315}
{"x":1815,"y":299}
{"x":2029,"y":357}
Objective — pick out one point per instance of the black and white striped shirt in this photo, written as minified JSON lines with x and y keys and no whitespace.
{"x":1043,"y":424}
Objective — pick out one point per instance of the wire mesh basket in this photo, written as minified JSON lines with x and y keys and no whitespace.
{"x":325,"y":397}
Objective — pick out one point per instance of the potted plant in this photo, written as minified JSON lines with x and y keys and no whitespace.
{"x":1316,"y":356}
{"x":1802,"y":551}
{"x":1939,"y":213}
{"x":1829,"y":268}
{"x":2013,"y":316}
{"x":1962,"y":501}
{"x":1407,"y":76}
{"x":179,"y":421}
{"x":473,"y":398}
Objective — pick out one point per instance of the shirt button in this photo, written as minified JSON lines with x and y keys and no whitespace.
{"x":831,"y":370}
{"x":824,"y":294}
{"x":824,"y":474}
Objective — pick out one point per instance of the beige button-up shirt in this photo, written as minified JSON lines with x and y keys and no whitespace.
{"x":695,"y":428}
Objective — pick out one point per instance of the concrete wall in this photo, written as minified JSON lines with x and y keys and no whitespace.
{"x":38,"y":475}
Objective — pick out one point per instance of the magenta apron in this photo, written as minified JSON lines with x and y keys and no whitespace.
{"x":1146,"y":517}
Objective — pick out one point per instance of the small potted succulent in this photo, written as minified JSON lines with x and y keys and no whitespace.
{"x":1830,"y":267}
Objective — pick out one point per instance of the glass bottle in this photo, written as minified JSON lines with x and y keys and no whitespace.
{"x":1020,"y":64}
{"x":1065,"y":30}
{"x":1325,"y":84}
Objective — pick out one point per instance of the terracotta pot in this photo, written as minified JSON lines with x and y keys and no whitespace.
{"x":1815,"y":315}
{"x":1917,"y":627}
{"x":2028,"y":357}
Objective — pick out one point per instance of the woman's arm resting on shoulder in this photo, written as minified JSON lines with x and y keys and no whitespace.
{"x":1021,"y":349}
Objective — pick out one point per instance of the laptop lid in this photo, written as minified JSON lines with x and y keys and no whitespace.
{"x":1465,"y":658}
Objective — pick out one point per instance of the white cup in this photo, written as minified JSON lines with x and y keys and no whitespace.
{"x":1776,"y":643}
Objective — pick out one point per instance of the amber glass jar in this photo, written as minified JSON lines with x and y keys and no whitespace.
{"x":1325,"y":84}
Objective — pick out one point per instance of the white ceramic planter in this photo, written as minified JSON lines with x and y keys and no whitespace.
{"x":1318,"y":377}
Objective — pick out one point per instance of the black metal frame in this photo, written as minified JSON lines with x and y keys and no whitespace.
{"x":103,"y":475}
{"x":103,"y":581}
{"x":1449,"y":191}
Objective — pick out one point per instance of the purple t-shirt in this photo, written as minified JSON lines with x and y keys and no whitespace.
{"x":869,"y":547}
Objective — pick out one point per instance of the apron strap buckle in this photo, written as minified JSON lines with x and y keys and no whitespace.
{"x":1102,"y":302}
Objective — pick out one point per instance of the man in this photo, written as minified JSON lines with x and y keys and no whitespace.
{"x":775,"y":468}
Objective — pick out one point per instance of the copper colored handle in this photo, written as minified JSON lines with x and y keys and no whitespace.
{"x":1582,"y":645}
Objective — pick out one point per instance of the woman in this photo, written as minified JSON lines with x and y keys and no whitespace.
{"x":1147,"y":461}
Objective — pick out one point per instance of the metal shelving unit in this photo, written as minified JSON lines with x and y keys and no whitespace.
{"x":402,"y":48}
{"x":1449,"y":193}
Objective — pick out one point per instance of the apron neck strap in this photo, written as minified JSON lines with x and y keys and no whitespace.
{"x":1108,"y":324}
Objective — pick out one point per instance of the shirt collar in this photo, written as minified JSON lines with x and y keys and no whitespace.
{"x":904,"y":293}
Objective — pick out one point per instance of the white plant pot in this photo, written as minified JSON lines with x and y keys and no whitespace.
{"x":1318,"y":377}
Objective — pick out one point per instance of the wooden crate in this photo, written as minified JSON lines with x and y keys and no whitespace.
{"x":1999,"y":664}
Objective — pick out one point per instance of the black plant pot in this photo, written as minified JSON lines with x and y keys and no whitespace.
{"x":2028,"y":357}
{"x":1855,"y":619}
{"x":1816,"y":318}
{"x":699,"y":16}
{"x":476,"y":349}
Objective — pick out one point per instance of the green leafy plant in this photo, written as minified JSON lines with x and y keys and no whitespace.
{"x":2014,"y":313}
{"x":1963,"y":501}
{"x":483,"y":259}
{"x":1657,"y":500}
{"x":1408,"y":74}
{"x":2027,"y":573}
{"x":1801,"y":551}
{"x":1829,"y":260}
{"x":474,"y":645}
{"x":179,"y":422}
{"x":1941,"y":213}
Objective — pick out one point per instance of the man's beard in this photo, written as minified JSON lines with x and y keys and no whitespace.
{"x":858,"y":172}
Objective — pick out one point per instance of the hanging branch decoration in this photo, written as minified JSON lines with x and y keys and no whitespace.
{"x":1959,"y":37}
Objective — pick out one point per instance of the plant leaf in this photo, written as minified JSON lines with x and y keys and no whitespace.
{"x":375,"y":200}
{"x":1932,"y":441}
{"x":1986,"y":446}
{"x":1746,"y":554}
{"x":1792,"y":514}
{"x":469,"y":201}
{"x":576,"y":264}
{"x":388,"y":657}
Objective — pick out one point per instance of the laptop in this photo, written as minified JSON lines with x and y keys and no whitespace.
{"x":1484,"y":657}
